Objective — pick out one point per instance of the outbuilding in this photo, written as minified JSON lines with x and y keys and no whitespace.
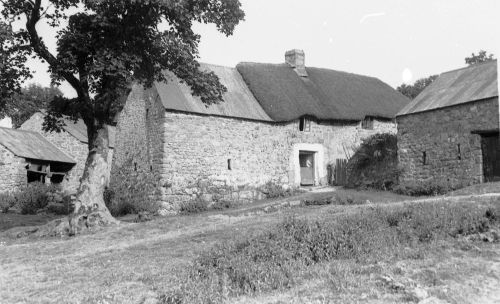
{"x":450,"y":131}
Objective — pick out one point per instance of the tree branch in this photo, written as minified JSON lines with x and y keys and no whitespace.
{"x":40,"y":48}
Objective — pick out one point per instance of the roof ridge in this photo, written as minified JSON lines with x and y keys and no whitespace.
{"x":470,"y":66}
{"x":19,"y":130}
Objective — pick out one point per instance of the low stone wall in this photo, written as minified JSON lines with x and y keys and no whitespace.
{"x":12,"y":171}
{"x":439,"y":133}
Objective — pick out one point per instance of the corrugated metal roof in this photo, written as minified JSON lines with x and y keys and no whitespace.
{"x":238,"y":100}
{"x":456,"y":87}
{"x":28,"y":144}
{"x":324,"y":94}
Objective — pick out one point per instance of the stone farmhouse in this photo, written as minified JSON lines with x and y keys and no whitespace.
{"x":279,"y":124}
{"x":31,"y":154}
{"x":450,"y":131}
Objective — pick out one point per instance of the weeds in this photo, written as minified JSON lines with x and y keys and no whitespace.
{"x":276,"y":259}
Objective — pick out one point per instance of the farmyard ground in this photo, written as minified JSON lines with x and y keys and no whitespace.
{"x":133,"y":263}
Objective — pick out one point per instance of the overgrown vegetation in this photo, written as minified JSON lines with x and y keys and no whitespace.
{"x":276,"y":259}
{"x":339,"y":198}
{"x":275,"y":190}
{"x":34,"y":197}
{"x":428,"y":187}
{"x":375,"y":164}
{"x":131,"y":192}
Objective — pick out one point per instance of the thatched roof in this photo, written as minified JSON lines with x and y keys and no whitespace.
{"x":456,"y":87}
{"x":274,"y":92}
{"x":31,"y":145}
{"x":238,"y":100}
{"x":324,"y":94}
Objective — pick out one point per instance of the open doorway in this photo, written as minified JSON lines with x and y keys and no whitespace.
{"x":306,"y":161}
{"x":490,"y":146}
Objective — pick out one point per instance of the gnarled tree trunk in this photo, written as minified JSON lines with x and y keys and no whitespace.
{"x":90,"y":210}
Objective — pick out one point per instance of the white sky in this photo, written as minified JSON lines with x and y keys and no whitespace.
{"x":393,"y":40}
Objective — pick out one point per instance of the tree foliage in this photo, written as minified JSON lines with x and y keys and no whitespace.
{"x":30,"y":100}
{"x":105,"y":45}
{"x":481,"y":56}
{"x":412,"y":90}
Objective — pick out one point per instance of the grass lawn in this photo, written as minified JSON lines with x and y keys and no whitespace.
{"x":134,"y":263}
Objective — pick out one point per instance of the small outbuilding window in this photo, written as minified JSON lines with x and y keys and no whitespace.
{"x":229,"y":166}
{"x":459,"y":152}
{"x":135,"y":166}
{"x":367,"y":123}
{"x":304,"y":124}
{"x":424,"y":158}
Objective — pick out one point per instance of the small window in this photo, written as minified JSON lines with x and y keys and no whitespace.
{"x":304,"y":124}
{"x":135,"y":166}
{"x":151,"y":168}
{"x":229,"y":167}
{"x":367,"y":123}
{"x":424,"y":158}
{"x":459,"y":152}
{"x":147,"y":113}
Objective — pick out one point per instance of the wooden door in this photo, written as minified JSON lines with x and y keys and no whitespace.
{"x":491,"y":157}
{"x":306,"y":161}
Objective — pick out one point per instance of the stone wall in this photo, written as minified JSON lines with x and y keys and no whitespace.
{"x":137,"y":157}
{"x":12,"y":171}
{"x":197,"y":150}
{"x":438,"y":133}
{"x":186,"y":155}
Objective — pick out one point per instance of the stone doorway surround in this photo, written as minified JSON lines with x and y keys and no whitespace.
{"x":318,"y":151}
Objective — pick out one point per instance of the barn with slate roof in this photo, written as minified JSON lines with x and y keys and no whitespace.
{"x":29,"y":157}
{"x":450,"y":130}
{"x":280,"y":124}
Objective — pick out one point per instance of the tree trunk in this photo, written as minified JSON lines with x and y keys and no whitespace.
{"x":90,"y":210}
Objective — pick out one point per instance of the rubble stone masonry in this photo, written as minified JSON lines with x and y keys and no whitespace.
{"x":452,"y":152}
{"x":12,"y":171}
{"x":220,"y":158}
{"x":190,"y":156}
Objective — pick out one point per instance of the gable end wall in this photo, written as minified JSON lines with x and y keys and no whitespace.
{"x":438,"y":133}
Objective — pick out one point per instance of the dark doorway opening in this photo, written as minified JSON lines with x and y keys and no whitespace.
{"x":306,"y":161}
{"x":490,"y":146}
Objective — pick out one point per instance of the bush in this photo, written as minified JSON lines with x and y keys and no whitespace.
{"x":339,"y":198}
{"x":7,"y":200}
{"x":275,"y":259}
{"x":66,"y":206}
{"x":429,"y":187}
{"x":132,"y":192}
{"x":33,"y":197}
{"x":374,"y":164}
{"x":274,"y":190}
{"x":195,"y":206}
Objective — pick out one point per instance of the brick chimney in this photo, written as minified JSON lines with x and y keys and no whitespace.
{"x":296,"y":59}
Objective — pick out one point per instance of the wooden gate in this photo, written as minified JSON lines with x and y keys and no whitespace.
{"x":491,"y":157}
{"x":340,"y":172}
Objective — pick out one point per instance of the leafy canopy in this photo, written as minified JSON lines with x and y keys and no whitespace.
{"x":412,"y":90}
{"x":30,"y":100}
{"x":105,"y":45}
{"x":481,"y":56}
